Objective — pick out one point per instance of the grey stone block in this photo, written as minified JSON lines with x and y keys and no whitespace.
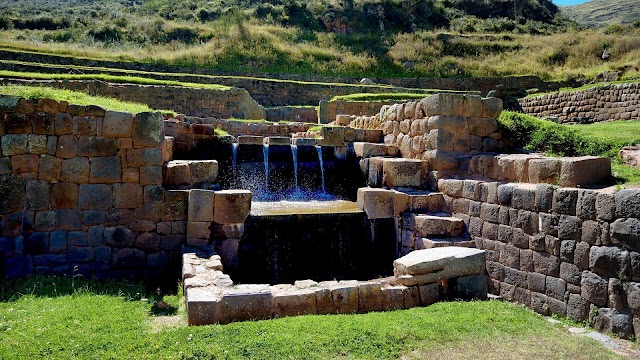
{"x":570,"y":273}
{"x":594,"y":288}
{"x":564,"y":201}
{"x":610,"y":261}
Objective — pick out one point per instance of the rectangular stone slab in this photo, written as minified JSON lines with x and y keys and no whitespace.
{"x":450,"y":261}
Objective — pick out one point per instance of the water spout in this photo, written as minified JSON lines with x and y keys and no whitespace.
{"x":319,"y":149}
{"x":294,"y":153}
{"x":265,"y":151}
{"x":234,"y":157}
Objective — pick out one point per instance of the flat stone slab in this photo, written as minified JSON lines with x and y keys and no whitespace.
{"x":250,"y":140}
{"x":430,"y":265}
{"x":277,"y":140}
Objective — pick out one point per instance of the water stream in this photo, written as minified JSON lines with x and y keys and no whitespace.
{"x":234,"y":157}
{"x":265,"y":149}
{"x":294,"y":153}
{"x":319,"y":149}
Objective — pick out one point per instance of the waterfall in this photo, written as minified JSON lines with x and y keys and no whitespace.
{"x":319,"y":148}
{"x":265,"y":149}
{"x":294,"y":152}
{"x":234,"y":157}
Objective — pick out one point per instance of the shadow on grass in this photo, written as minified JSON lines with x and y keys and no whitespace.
{"x":164,"y":302}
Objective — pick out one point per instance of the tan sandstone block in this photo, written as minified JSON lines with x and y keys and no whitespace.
{"x":231,"y":206}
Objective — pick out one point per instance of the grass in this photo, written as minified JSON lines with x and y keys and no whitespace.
{"x":584,"y":87}
{"x":109,"y":78}
{"x":76,"y":97}
{"x":51,"y":318}
{"x":602,"y":139}
{"x":387,"y":96}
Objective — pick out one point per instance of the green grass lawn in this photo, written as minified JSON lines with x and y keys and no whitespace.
{"x":626,"y":132}
{"x":76,"y":97}
{"x":51,"y":318}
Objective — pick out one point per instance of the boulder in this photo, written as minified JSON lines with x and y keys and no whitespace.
{"x":431,"y":265}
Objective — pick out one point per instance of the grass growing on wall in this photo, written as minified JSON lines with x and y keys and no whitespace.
{"x":604,"y":139}
{"x":387,"y":96}
{"x":109,"y":78}
{"x":58,"y":318}
{"x":76,"y":97}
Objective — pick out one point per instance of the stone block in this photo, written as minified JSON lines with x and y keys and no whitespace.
{"x":50,"y":168}
{"x":199,"y":230}
{"x":201,"y":205}
{"x":76,"y":170}
{"x":442,"y":160}
{"x":117,"y":124}
{"x":430,"y":226}
{"x":64,"y":195}
{"x":429,"y":294}
{"x":147,"y":130}
{"x":403,"y":172}
{"x":627,"y":203}
{"x":105,"y":170}
{"x":25,"y":164}
{"x":545,"y":170}
{"x":37,"y":195}
{"x":151,"y":175}
{"x":482,"y":127}
{"x":67,"y":147}
{"x":430,"y":265}
{"x":570,"y":273}
{"x":367,"y":150}
{"x":345,"y":298}
{"x":93,"y":217}
{"x":127,"y":196}
{"x":333,"y":135}
{"x":96,"y":146}
{"x":586,"y":204}
{"x":626,"y":233}
{"x":577,"y":308}
{"x":203,"y":171}
{"x":605,"y":206}
{"x":84,"y":126}
{"x":37,"y":144}
{"x":148,"y":241}
{"x":491,"y":107}
{"x":294,"y":302}
{"x":524,"y":198}
{"x":376,"y":203}
{"x":393,"y":298}
{"x":144,"y":157}
{"x":178,"y":173}
{"x":610,"y":261}
{"x":594,"y":288}
{"x":471,"y":287}
{"x":95,"y":197}
{"x":584,"y":170}
{"x":546,"y":264}
{"x":614,"y":321}
{"x":569,"y":228}
{"x":14,"y":144}
{"x":231,"y":206}
{"x":443,"y":104}
{"x":369,"y":297}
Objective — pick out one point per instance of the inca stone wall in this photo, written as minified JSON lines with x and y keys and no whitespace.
{"x":81,"y":192}
{"x":231,"y":103}
{"x":330,"y":109}
{"x":565,"y":251}
{"x":600,"y":103}
{"x":442,"y":128}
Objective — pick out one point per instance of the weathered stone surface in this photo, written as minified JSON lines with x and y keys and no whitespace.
{"x":367,"y":150}
{"x":147,"y":129}
{"x":546,"y":264}
{"x":491,"y":107}
{"x":294,"y":302}
{"x":586,"y":170}
{"x":609,"y":261}
{"x":555,"y":288}
{"x":569,"y":228}
{"x":201,"y":204}
{"x":231,"y":206}
{"x":443,"y":104}
{"x":376,"y":203}
{"x":430,"y":265}
{"x":545,"y":170}
{"x":344,"y":297}
{"x":403,"y":172}
{"x":37,"y":195}
{"x":95,"y":197}
{"x":564,"y":201}
{"x":577,"y":308}
{"x":544,"y":198}
{"x":605,"y":206}
{"x":626,"y":233}
{"x":537,"y":282}
{"x":178,"y":173}
{"x":594,"y":288}
{"x":76,"y":170}
{"x":369,"y":297}
{"x":613,"y":321}
{"x":14,"y":144}
{"x":570,"y":273}
{"x":581,"y":255}
{"x":117,"y":124}
{"x":105,"y":170}
{"x":430,"y":225}
{"x":127,"y":196}
{"x":151,"y":175}
{"x":393,"y":297}
{"x":627,"y":203}
{"x":203,"y":171}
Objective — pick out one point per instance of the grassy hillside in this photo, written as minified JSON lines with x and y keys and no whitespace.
{"x":604,"y":12}
{"x":373,"y":38}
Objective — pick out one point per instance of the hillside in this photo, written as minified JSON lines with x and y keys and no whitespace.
{"x":604,"y":12}
{"x":354,"y":38}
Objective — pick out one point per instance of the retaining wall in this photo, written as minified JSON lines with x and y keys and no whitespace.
{"x":231,"y":103}
{"x":288,"y":113}
{"x":81,"y":192}
{"x":563,"y":251}
{"x":600,"y":103}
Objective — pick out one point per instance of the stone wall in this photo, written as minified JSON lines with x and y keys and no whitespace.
{"x":599,"y":103}
{"x":291,"y":113}
{"x":329,"y":109}
{"x":230,"y":103}
{"x":81,"y":192}
{"x":279,"y":89}
{"x":565,"y":251}
{"x":442,"y":128}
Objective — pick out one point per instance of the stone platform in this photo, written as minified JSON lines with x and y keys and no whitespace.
{"x":429,"y":275}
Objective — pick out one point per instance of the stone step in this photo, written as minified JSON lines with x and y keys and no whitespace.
{"x":438,"y":225}
{"x":418,"y":201}
{"x":190,"y":172}
{"x":367,"y":150}
{"x":432,"y":242}
{"x":430,"y":265}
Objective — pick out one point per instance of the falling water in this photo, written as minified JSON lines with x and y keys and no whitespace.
{"x":294,"y":152}
{"x":319,"y":148}
{"x":234,"y":151}
{"x":265,"y":149}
